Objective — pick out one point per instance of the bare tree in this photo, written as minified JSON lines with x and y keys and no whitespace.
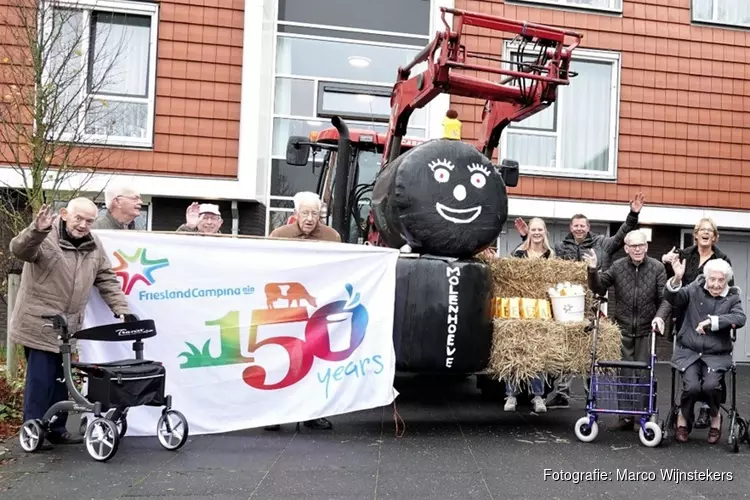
{"x":57,"y":65}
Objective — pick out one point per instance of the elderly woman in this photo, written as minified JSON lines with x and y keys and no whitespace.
{"x":704,"y":348}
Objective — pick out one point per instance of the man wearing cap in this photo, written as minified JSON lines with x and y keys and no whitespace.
{"x":204,"y":218}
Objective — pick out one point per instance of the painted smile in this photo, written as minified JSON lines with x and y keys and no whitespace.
{"x":459,"y":216}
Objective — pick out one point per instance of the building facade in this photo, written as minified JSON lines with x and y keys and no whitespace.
{"x":213,"y":90}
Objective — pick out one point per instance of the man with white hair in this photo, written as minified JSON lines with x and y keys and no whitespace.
{"x":123,"y":207}
{"x":62,"y":262}
{"x":204,"y":218}
{"x":639,"y":283}
{"x":307,"y":225}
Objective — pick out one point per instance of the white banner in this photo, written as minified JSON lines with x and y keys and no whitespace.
{"x":255,"y":332}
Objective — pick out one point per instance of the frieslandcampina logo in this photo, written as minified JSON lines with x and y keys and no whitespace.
{"x":128,"y":268}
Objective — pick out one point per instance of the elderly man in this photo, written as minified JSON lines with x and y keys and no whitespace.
{"x":307,"y":225}
{"x":574,"y":246}
{"x":62,"y":261}
{"x":123,"y":207}
{"x":703,"y":353}
{"x":639,"y":283}
{"x":204,"y":219}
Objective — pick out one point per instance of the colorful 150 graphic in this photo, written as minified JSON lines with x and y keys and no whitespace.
{"x":302,"y":353}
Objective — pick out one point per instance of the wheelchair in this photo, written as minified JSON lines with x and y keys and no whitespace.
{"x":738,"y":426}
{"x":113,"y":387}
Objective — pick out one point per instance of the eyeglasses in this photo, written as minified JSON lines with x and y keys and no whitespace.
{"x":308,"y":213}
{"x":706,"y":230}
{"x":639,"y":246}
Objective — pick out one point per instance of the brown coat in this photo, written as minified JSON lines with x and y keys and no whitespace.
{"x":108,"y":221}
{"x":321,"y":233}
{"x":57,"y":278}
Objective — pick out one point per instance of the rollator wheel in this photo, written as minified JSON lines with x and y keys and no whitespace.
{"x":733,"y":439}
{"x":31,"y":436}
{"x":585,"y":431}
{"x":122,"y":426}
{"x":650,"y":434}
{"x":172,"y":430}
{"x":102,"y":439}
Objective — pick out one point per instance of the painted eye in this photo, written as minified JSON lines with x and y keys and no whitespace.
{"x":478,"y":180}
{"x":442,"y":175}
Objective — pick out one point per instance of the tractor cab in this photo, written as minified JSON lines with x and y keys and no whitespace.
{"x":365,"y":155}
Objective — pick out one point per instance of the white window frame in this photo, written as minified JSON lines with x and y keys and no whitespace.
{"x":119,"y":7}
{"x":615,"y":60}
{"x":714,"y":16}
{"x":566,"y":5}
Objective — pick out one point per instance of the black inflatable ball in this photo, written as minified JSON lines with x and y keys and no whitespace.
{"x":442,"y":197}
{"x":443,"y":315}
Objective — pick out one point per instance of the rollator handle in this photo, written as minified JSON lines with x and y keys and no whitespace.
{"x":58,"y":323}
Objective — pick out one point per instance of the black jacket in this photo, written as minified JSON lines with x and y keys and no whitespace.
{"x":715,"y":347}
{"x":523,"y":254}
{"x":604,"y":246}
{"x":639,"y":291}
{"x":693,"y":267}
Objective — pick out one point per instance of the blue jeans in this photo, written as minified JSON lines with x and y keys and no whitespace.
{"x":43,"y":388}
{"x":537,"y":387}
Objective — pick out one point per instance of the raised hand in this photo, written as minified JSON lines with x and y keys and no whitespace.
{"x":670,"y":257}
{"x":678,"y":266}
{"x":44,"y":218}
{"x":192,"y":215}
{"x":637,"y":203}
{"x":590,"y":258}
{"x":522,"y":227}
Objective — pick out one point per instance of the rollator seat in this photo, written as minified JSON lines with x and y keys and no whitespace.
{"x":123,"y":363}
{"x":624,"y":364}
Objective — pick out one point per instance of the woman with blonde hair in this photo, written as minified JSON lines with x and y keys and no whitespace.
{"x":536,"y":246}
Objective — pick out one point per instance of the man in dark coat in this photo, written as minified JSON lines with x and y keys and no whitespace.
{"x":703,"y":351}
{"x":639,"y":283}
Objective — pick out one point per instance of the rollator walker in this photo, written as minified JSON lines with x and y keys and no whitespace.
{"x":611,"y":392}
{"x":113,"y":387}
{"x":738,"y":426}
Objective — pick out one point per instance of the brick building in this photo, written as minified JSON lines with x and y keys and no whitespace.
{"x":659,"y":104}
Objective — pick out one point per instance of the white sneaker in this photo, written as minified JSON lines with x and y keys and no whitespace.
{"x":510,"y":403}
{"x":539,"y":406}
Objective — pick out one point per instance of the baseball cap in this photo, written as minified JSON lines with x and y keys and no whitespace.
{"x":209,"y":208}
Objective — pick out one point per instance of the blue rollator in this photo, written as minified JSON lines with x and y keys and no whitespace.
{"x":113,"y":387}
{"x":624,"y":388}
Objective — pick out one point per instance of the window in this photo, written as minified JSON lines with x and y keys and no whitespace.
{"x":399,"y":16}
{"x":577,"y":135}
{"x":101,"y":71}
{"x":610,"y":5}
{"x":338,"y":58}
{"x":730,"y":12}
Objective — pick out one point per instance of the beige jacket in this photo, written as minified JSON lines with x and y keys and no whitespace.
{"x":57,"y":278}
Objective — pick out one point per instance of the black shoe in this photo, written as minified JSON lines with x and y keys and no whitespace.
{"x":319,"y":423}
{"x":64,"y":438}
{"x":272,"y":428}
{"x":704,"y":419}
{"x":558,"y":402}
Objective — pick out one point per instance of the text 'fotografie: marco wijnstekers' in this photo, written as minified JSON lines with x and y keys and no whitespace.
{"x":667,"y":475}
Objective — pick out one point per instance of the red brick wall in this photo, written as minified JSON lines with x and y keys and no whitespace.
{"x":198,"y":77}
{"x":684,"y":103}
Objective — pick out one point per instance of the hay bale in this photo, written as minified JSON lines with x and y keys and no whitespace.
{"x":531,"y":278}
{"x":525,"y":348}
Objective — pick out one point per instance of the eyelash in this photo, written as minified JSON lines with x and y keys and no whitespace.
{"x":475,"y":167}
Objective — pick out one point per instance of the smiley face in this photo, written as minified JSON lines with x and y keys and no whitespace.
{"x":442,"y":197}
{"x":478,"y":175}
